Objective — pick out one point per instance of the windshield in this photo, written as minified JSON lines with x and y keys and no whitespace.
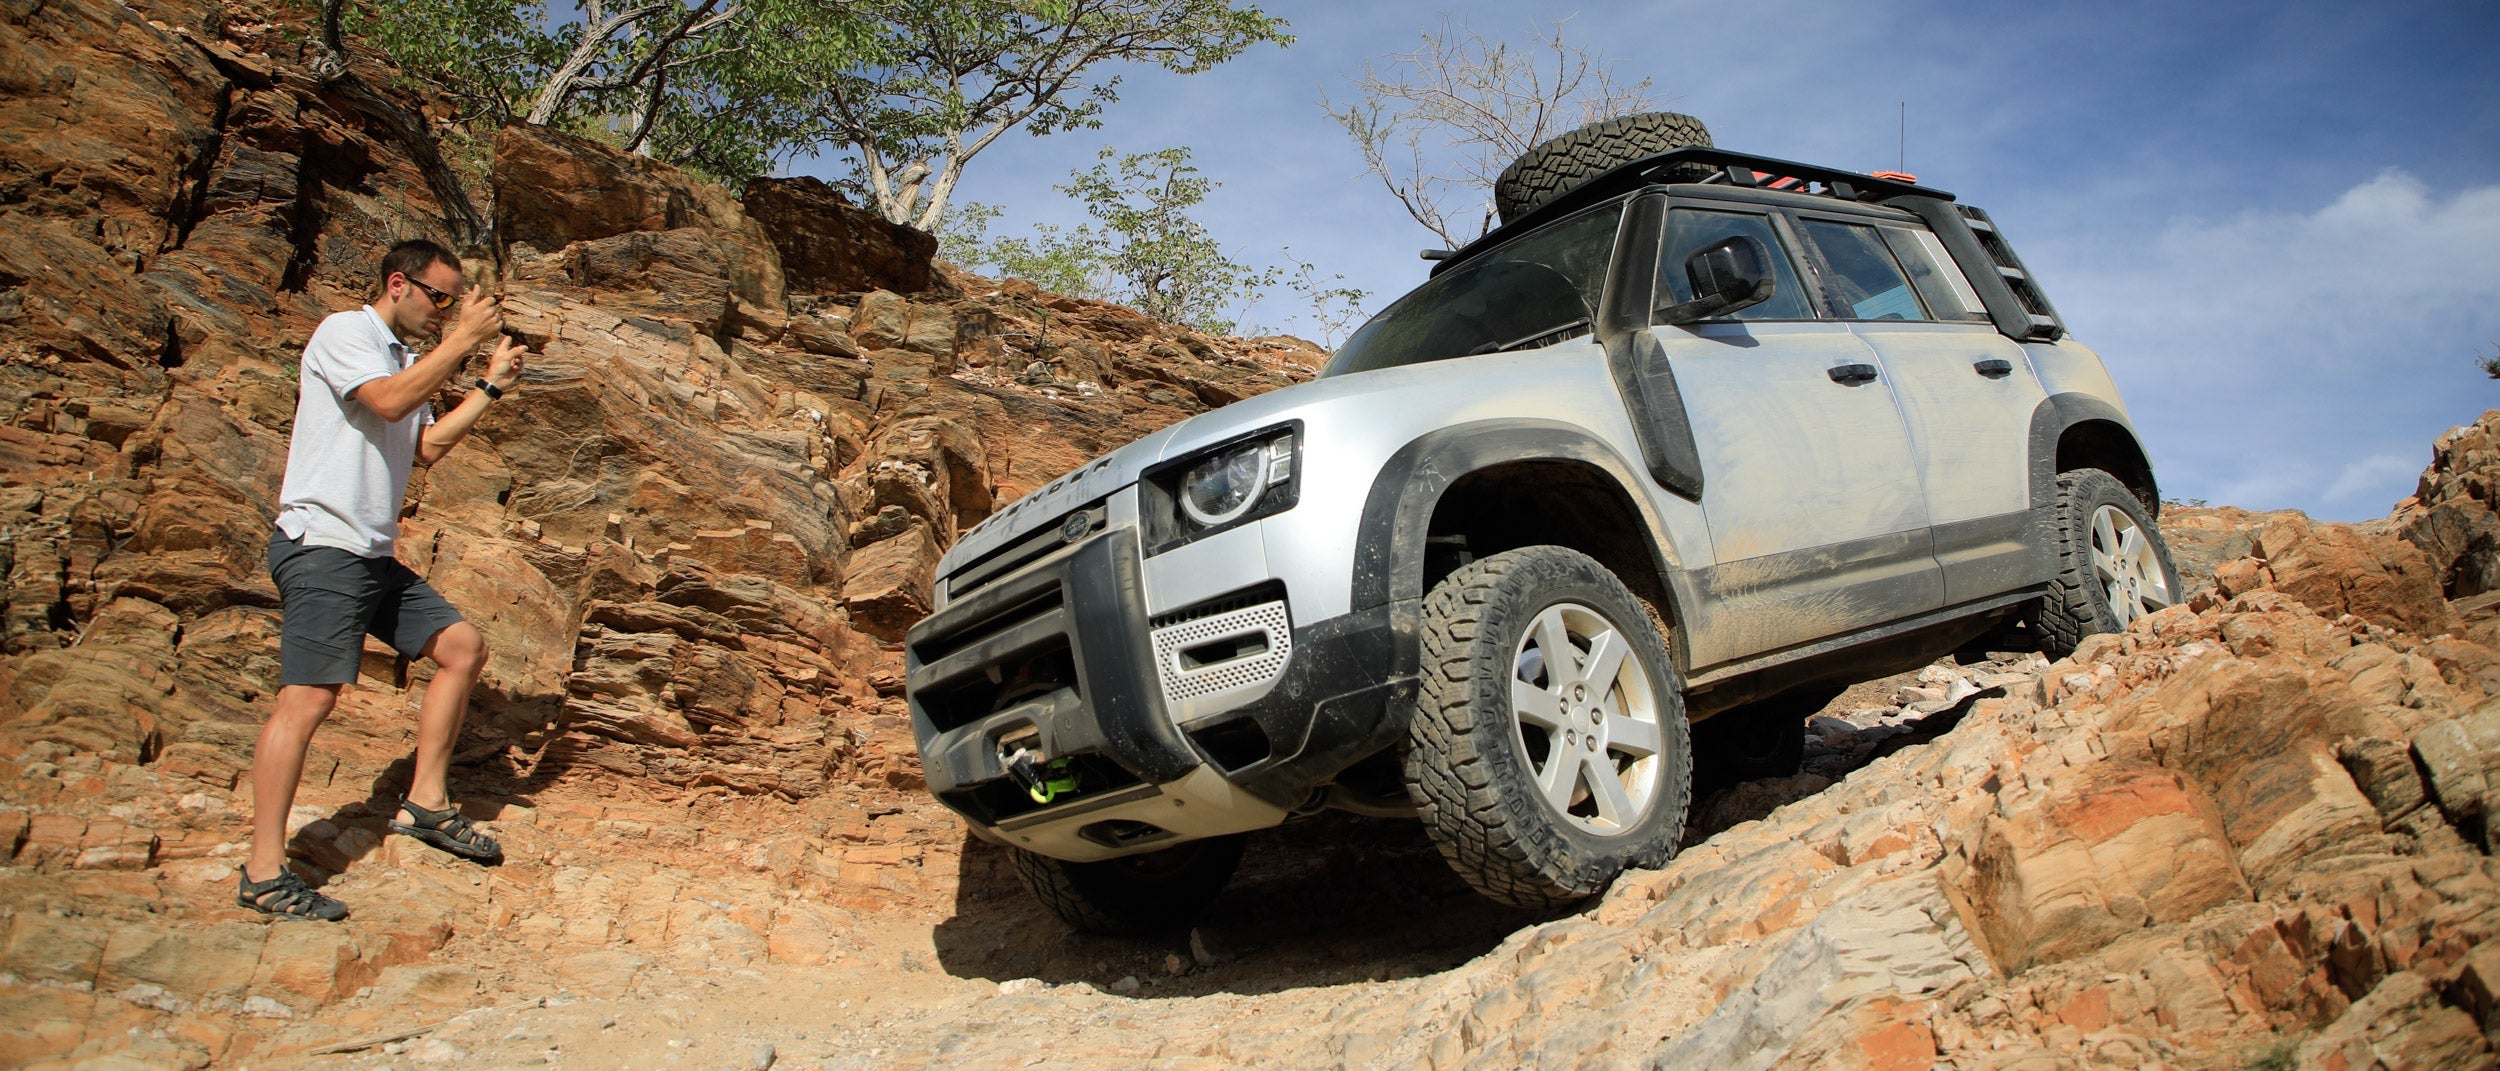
{"x":1537,"y":290}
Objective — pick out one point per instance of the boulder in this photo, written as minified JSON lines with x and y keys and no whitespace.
{"x":2116,"y":848}
{"x":2451,"y":515}
{"x":554,"y":189}
{"x":888,"y":587}
{"x":2336,"y":569}
{"x":829,"y":246}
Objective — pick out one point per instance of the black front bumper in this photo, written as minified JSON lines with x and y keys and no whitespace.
{"x":1060,"y":653}
{"x":1087,"y":601}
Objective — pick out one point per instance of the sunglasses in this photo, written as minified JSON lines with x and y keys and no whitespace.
{"x":440,"y":299}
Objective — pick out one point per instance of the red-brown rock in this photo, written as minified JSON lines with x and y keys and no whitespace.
{"x":828,"y":245}
{"x":2335,"y":569}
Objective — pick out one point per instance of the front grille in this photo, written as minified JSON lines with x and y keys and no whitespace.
{"x":979,"y":667}
{"x":976,"y":574}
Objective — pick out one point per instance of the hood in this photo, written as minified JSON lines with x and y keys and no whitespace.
{"x":1100,"y":477}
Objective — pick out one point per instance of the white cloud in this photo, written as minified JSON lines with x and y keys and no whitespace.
{"x":2373,"y":473}
{"x":2307,"y":358}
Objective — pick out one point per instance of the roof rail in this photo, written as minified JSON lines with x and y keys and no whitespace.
{"x":1680,"y":165}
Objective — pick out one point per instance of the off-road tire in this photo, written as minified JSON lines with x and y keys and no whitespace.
{"x":1467,"y":766}
{"x":1150,"y":893}
{"x":2077,"y":604}
{"x":1558,"y":164}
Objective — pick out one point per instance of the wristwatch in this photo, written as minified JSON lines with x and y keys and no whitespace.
{"x":492,"y":391}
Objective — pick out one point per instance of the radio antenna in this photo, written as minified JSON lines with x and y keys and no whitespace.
{"x":1901,"y":162}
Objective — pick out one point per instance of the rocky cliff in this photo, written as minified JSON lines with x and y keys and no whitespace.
{"x":2253,"y":830}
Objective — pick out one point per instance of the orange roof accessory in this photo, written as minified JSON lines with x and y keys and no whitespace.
{"x":1895,"y":176}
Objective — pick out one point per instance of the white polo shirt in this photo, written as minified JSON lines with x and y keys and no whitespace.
{"x":346,"y":467}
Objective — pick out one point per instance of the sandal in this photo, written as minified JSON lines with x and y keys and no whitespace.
{"x":449,"y":830}
{"x":285,"y":896}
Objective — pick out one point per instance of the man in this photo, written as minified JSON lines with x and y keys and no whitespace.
{"x":361,"y":417}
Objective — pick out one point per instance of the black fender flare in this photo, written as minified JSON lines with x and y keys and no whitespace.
{"x":1397,"y":514}
{"x":2049,"y":423}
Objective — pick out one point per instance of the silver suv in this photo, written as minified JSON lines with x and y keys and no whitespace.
{"x":1665,"y":461}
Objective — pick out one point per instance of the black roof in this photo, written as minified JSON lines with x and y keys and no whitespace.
{"x":1735,"y":169}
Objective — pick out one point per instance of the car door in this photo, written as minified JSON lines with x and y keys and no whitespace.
{"x":1818,"y":525}
{"x":1967,"y":392}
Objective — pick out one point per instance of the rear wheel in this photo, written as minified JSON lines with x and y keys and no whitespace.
{"x":1148,"y":893}
{"x":1549,"y":749}
{"x":2112,"y":566}
{"x":1554,"y":166}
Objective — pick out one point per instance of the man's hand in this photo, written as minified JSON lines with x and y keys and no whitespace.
{"x":503,"y":367}
{"x":480,"y":318}
{"x":503,"y":371}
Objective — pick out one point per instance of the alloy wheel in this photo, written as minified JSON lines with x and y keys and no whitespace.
{"x":1587,"y":719}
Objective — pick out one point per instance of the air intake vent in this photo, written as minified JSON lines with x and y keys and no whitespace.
{"x":2043,"y":321}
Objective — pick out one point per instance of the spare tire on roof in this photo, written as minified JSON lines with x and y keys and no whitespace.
{"x":1555,"y":166}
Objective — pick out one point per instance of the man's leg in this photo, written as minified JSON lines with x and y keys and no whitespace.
{"x":277,"y":765}
{"x":459,"y":655}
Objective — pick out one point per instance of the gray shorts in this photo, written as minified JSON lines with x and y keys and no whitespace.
{"x":334,"y":599}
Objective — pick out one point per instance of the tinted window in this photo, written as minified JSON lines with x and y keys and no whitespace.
{"x":1539,"y":289}
{"x":1863,"y":283}
{"x":1691,"y":229}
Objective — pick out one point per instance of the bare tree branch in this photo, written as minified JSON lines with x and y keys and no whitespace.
{"x":1482,"y":103}
{"x":598,"y":31}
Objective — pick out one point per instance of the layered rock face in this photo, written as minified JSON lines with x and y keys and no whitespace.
{"x":2451,"y":515}
{"x":717,"y":492}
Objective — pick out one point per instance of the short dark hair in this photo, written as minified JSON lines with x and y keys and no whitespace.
{"x":412,"y":257}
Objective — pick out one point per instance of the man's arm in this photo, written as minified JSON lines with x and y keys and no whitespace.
{"x":397,"y":395}
{"x":503,"y":369}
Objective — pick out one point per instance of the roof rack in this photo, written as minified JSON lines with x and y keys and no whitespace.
{"x":1702,"y":165}
{"x":1745,"y":169}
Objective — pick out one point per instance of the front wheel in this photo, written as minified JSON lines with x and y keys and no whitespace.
{"x":2112,"y":566}
{"x":1548,"y":749}
{"x":1147,"y":893}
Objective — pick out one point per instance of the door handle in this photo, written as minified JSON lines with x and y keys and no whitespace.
{"x":1993,"y":367}
{"x":1853,"y":373}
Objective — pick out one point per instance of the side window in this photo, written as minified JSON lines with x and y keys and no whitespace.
{"x":1938,"y":279}
{"x":1863,"y":282}
{"x":1691,"y":229}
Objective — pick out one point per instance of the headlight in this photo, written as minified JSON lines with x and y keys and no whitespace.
{"x":1218,"y":488}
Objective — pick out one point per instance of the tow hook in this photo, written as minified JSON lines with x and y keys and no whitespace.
{"x":1042,"y":779}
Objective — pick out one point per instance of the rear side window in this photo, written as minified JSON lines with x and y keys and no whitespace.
{"x":1938,"y":279}
{"x":1863,"y":283}
{"x":1692,"y":229}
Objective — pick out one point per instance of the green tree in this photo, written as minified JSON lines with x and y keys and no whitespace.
{"x":1143,"y":247}
{"x":944,"y":79}
{"x":1071,"y":262}
{"x":667,"y":77}
{"x":521,"y":61}
{"x":748,"y":103}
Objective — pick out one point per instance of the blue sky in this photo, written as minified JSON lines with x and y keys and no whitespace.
{"x":2278,"y":223}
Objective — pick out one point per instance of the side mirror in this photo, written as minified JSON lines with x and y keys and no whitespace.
{"x":1729,"y":274}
